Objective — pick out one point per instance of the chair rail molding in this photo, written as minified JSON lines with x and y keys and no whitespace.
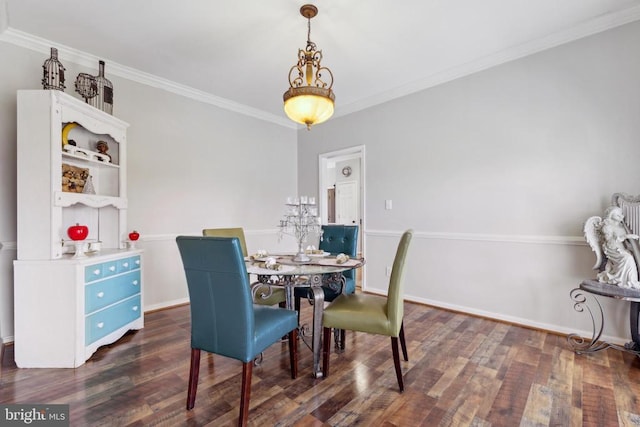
{"x":172,"y":236}
{"x":8,"y":246}
{"x":506,"y":238}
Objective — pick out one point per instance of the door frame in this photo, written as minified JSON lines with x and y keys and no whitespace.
{"x":356,"y":152}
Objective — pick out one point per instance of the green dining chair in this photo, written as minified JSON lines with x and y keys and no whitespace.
{"x":224,"y":319}
{"x":275,"y":295}
{"x":372,"y":314}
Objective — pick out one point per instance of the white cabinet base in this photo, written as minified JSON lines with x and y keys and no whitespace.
{"x":51,"y":311}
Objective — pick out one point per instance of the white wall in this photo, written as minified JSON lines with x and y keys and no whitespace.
{"x":496,"y":172}
{"x":191,"y":166}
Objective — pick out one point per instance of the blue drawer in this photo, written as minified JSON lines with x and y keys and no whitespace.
{"x":101,"y":294}
{"x":92,"y":272}
{"x":135,"y":262}
{"x":110,"y":268}
{"x":108,"y":320}
{"x":127,"y":264}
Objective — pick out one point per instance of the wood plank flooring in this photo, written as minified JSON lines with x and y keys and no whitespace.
{"x":462,"y":371}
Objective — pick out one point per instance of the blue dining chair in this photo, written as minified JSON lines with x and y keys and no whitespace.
{"x":224,"y":319}
{"x":336,"y":239}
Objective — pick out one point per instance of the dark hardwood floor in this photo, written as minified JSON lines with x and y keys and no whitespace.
{"x":462,"y":371}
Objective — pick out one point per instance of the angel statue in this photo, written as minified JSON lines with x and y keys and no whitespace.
{"x":607,"y":238}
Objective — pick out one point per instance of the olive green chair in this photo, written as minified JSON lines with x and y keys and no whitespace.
{"x":373,"y":314}
{"x":277,"y":294}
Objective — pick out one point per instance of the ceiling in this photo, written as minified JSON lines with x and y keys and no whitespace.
{"x":240,"y":51}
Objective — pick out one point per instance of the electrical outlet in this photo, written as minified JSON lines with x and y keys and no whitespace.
{"x":388,"y":271}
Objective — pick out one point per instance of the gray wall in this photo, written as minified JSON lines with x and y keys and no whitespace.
{"x":191,"y":165}
{"x":496,"y":172}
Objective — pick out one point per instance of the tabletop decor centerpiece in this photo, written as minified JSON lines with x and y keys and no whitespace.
{"x":300,"y":219}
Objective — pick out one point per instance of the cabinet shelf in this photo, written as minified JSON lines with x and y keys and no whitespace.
{"x":64,"y":199}
{"x":92,"y":161}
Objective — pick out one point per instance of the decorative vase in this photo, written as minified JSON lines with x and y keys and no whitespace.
{"x":86,"y":86}
{"x":53,"y":77}
{"x":88,"y":186}
{"x":104,"y":99}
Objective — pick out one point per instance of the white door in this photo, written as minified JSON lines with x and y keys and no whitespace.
{"x":347,"y":202}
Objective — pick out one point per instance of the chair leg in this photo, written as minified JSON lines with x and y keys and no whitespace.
{"x":326,"y":351}
{"x":338,"y":337}
{"x":283,"y":304}
{"x":396,"y":362}
{"x":194,"y":372}
{"x":296,"y":306}
{"x":403,"y":343}
{"x":293,"y":352}
{"x":247,"y":369}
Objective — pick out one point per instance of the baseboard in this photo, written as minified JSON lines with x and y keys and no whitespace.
{"x":165,"y":305}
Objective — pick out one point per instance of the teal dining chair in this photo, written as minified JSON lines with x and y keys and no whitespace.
{"x":372,"y":314}
{"x":224,"y":319}
{"x":336,"y":239}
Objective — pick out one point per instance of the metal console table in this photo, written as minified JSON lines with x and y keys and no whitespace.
{"x":578,"y":295}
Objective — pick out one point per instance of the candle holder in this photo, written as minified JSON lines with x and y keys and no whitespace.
{"x":300,"y":219}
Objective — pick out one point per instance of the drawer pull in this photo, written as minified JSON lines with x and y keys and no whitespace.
{"x":137,"y":262}
{"x":135,"y":308}
{"x":112,"y":268}
{"x":125,"y":264}
{"x":100,"y":325}
{"x":135,"y":283}
{"x":96,"y":271}
{"x":100,"y":294}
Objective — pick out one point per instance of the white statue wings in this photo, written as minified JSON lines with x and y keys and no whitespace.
{"x":594,"y":238}
{"x":608,"y":239}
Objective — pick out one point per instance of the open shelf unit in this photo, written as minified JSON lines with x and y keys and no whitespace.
{"x":72,"y":167}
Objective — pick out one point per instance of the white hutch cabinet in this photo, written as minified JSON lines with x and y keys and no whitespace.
{"x":69,"y":302}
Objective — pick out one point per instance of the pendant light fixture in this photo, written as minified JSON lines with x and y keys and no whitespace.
{"x":309,"y":99}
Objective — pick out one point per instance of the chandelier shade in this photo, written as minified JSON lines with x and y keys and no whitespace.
{"x":308,"y":105}
{"x":309,"y":99}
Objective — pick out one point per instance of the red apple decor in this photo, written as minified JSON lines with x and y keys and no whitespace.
{"x":78,"y":232}
{"x":133,"y":236}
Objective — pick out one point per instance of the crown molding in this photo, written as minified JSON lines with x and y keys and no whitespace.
{"x":585,"y":29}
{"x":38,"y":44}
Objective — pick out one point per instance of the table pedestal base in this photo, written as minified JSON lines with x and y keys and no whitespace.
{"x":582,"y":345}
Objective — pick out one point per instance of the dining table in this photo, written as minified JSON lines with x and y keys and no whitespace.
{"x":281,"y":270}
